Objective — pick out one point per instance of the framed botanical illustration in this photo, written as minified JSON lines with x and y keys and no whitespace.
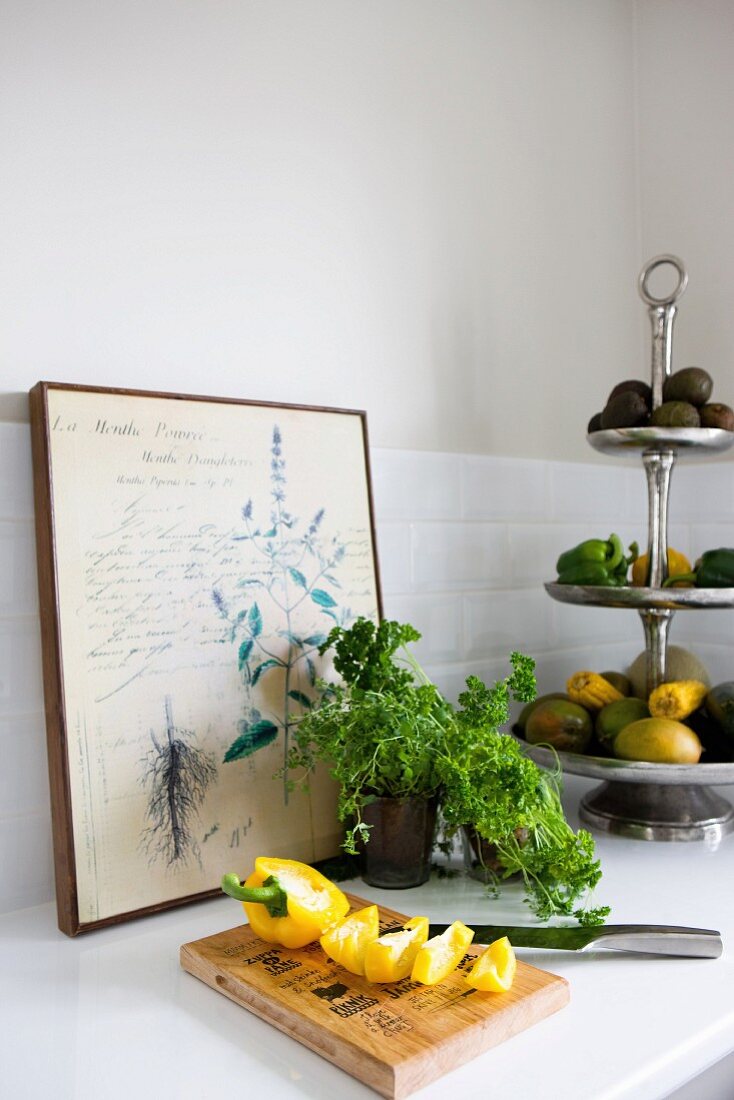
{"x":193,"y":554}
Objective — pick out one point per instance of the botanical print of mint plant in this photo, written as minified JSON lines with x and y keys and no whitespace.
{"x":177,"y":775}
{"x":298,"y":568}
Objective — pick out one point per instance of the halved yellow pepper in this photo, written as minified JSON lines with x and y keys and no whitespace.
{"x":347,"y":942}
{"x":390,"y":958}
{"x":287,"y":902}
{"x":494,"y":971}
{"x":442,"y":954}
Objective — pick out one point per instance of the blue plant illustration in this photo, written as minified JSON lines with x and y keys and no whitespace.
{"x":297,"y":567}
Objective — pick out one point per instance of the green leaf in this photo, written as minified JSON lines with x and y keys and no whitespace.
{"x":255,"y":621}
{"x":263,"y":668}
{"x":298,"y":578}
{"x":299,"y":697}
{"x":311,"y":671}
{"x":251,"y":738}
{"x":323,"y":599}
{"x":244,"y":654}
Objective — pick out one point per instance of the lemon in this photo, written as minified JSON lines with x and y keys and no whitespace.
{"x":658,"y":741}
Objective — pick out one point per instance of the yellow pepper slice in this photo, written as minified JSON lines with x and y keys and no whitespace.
{"x":390,"y":958}
{"x":287,"y":902}
{"x":347,"y":942}
{"x":442,"y":954}
{"x":494,"y":971}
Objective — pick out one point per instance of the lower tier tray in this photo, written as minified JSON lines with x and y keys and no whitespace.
{"x":667,"y":599}
{"x":648,"y":801}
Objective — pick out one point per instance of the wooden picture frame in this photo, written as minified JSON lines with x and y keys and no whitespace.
{"x":193,"y":553}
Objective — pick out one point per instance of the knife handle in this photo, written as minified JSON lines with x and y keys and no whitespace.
{"x":659,"y":939}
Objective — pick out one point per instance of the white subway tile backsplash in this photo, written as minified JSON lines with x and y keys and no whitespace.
{"x":575,"y":624}
{"x":703,"y":492}
{"x":505,"y":488}
{"x":592,"y":494}
{"x":498,"y":622}
{"x":18,"y":584}
{"x":709,"y":536}
{"x":24,"y":786}
{"x":438,"y":618}
{"x":416,"y":485}
{"x":21,"y":683}
{"x":393,"y":545}
{"x":460,"y":555}
{"x":16,"y":476}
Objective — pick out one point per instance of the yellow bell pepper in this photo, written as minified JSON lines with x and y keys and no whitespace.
{"x":347,"y":942}
{"x":390,"y":958}
{"x":287,"y":902}
{"x":494,"y":971}
{"x":442,"y":954}
{"x":677,"y":563}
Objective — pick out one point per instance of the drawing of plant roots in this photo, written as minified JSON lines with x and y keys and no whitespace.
{"x":298,"y":565}
{"x":177,"y":776}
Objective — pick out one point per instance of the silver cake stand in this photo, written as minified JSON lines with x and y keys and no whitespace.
{"x":653,"y":801}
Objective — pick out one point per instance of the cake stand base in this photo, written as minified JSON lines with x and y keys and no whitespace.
{"x":648,"y":811}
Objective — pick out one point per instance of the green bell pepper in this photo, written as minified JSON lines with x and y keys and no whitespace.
{"x":596,"y":562}
{"x":714,"y":569}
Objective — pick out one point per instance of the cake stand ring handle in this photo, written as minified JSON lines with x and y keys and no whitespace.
{"x":647,"y":271}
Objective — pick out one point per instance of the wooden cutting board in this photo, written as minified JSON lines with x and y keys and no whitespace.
{"x":395,"y":1037}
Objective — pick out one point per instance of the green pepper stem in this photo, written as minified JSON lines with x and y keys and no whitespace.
{"x":271,"y":894}
{"x":680,"y":578}
{"x":615,"y":553}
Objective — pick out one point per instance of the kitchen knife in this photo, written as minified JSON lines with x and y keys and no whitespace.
{"x":642,"y":939}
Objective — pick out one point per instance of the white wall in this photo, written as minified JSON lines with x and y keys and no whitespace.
{"x":421,"y":208}
{"x":685,"y":64}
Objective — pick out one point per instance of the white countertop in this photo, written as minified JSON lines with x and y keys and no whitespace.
{"x":110,"y":1014}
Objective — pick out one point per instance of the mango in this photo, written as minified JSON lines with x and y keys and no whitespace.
{"x":528,"y":709}
{"x":658,"y":741}
{"x":613,"y":718}
{"x":564,"y":725}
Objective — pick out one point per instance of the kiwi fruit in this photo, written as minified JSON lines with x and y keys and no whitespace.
{"x":676,"y":414}
{"x":626,"y":410}
{"x":633,"y":386}
{"x":717,"y":416}
{"x":594,"y":424}
{"x":692,"y":384}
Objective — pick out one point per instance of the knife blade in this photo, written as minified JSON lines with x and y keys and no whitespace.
{"x":642,"y":939}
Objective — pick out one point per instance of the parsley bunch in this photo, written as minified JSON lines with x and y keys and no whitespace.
{"x":490,"y":784}
{"x":381,"y":731}
{"x":387,"y":731}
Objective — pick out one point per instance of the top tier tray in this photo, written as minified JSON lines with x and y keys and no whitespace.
{"x":695,"y":442}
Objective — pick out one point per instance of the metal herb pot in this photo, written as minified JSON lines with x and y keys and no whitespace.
{"x":398,"y":852}
{"x":481,"y":859}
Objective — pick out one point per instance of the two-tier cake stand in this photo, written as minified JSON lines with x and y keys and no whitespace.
{"x":654,"y":801}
